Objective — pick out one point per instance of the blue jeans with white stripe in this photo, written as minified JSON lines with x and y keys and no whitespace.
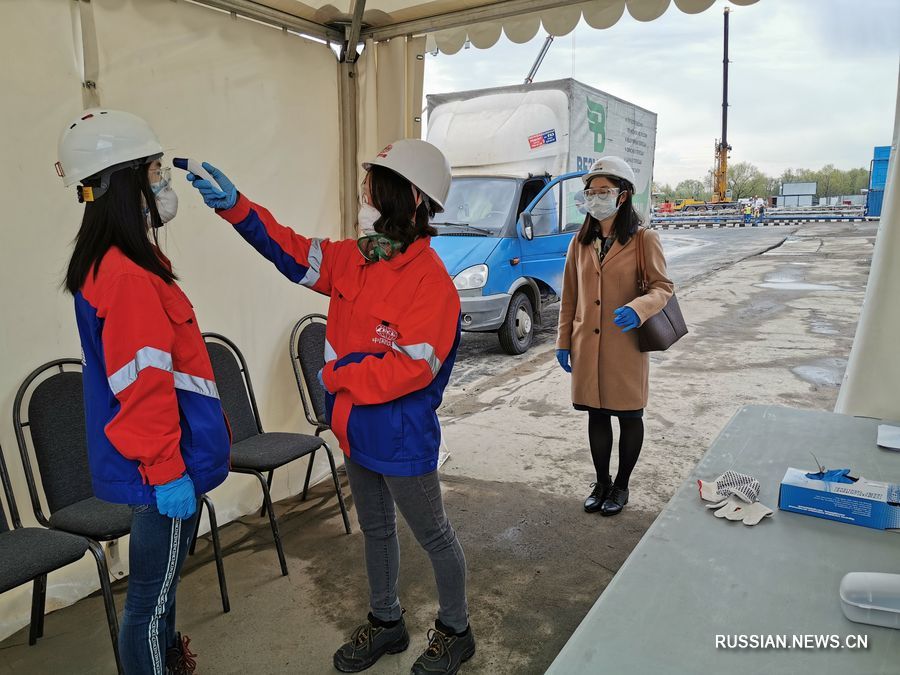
{"x":157,"y":551}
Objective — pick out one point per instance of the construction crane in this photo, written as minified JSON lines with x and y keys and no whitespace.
{"x":720,"y":174}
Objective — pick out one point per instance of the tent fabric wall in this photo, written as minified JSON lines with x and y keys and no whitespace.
{"x":872,"y":377}
{"x":391,"y":81}
{"x":260,"y":104}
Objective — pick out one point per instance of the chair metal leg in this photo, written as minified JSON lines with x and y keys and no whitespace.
{"x":337,"y":488}
{"x":220,"y":565}
{"x":203,"y":500}
{"x":267,"y":500}
{"x":43,"y":606}
{"x":262,"y":511}
{"x":108,"y":600}
{"x":38,"y":598}
{"x":309,"y":468}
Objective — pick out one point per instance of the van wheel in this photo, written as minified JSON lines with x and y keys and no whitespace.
{"x":517,"y":332}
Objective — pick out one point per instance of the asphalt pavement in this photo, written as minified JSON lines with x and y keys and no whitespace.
{"x":691,"y":255}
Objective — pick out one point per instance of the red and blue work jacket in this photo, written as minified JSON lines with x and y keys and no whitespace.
{"x":151,"y":404}
{"x":391,"y":339}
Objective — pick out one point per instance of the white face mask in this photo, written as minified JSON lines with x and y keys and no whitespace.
{"x":602,"y":207}
{"x":367,"y":217}
{"x":166,"y":202}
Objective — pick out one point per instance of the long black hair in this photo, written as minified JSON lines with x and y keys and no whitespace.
{"x":117,"y":219}
{"x":393,"y":197}
{"x":627,"y":219}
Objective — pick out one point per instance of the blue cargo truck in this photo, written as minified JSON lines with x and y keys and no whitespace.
{"x":518,"y":154}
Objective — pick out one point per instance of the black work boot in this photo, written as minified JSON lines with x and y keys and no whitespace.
{"x":446,"y":652}
{"x":598,"y":495}
{"x":369,"y":643}
{"x":180,"y":659}
{"x":615,"y":501}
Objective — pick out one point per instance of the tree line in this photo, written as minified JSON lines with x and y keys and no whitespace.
{"x":746,"y":180}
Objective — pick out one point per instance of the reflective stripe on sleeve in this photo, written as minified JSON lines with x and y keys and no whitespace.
{"x":421,"y":352}
{"x":150,"y":357}
{"x":314,"y":260}
{"x":330,"y":354}
{"x":147,"y":357}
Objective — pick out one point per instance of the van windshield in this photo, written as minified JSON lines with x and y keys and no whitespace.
{"x":480,"y":204}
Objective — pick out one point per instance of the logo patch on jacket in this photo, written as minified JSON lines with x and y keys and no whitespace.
{"x":385,"y":335}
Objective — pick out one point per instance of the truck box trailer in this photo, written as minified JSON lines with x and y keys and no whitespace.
{"x":518,"y":154}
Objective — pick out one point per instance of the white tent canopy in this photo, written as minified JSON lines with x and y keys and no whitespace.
{"x":453,"y":21}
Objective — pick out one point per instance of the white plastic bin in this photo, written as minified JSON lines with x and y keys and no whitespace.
{"x":871,"y":597}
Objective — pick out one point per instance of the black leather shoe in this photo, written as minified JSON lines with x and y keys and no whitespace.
{"x":368,"y":644}
{"x":599,"y":493}
{"x":615,"y":501}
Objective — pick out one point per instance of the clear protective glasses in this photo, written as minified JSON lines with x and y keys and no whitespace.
{"x":160,"y":178}
{"x":603,"y":192}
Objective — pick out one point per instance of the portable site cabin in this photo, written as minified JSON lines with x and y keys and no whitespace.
{"x":288,"y":119}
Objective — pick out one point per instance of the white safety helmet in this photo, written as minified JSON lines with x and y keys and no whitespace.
{"x":100,"y":141}
{"x":419,"y":162}
{"x":610,"y":166}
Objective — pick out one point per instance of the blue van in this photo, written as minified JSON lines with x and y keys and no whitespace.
{"x":503,"y":240}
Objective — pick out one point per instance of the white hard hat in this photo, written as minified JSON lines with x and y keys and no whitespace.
{"x":419,"y":162}
{"x":100,"y":140}
{"x":610,"y":166}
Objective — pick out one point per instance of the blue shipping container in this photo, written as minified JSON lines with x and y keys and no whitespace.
{"x":878,"y":176}
{"x":874,"y":200}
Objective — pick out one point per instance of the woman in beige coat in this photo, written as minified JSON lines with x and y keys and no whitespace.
{"x":601,"y":307}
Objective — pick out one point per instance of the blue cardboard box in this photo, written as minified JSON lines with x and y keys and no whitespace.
{"x":866,"y":502}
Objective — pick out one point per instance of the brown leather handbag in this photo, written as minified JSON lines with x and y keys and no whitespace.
{"x":664,"y":329}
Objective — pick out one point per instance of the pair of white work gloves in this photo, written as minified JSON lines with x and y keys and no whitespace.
{"x":735,"y":497}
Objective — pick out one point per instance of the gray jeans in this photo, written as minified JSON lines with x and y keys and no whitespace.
{"x":419,"y":500}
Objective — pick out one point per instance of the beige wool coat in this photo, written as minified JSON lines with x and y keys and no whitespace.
{"x":608,"y":369}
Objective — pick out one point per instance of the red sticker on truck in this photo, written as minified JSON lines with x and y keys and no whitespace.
{"x":544,"y":138}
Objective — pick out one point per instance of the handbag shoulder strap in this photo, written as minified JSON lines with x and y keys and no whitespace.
{"x":643,"y":282}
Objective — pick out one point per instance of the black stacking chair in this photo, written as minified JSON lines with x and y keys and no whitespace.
{"x":30,"y":553}
{"x":254,"y":451}
{"x":55,"y":420}
{"x":307,"y":349}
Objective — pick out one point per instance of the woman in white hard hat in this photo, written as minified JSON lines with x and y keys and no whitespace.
{"x":146,"y":373}
{"x":391,"y":340}
{"x":601,"y":306}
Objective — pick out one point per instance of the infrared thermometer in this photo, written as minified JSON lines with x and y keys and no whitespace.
{"x":196,"y":168}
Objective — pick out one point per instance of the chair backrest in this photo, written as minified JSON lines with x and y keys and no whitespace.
{"x":8,"y":493}
{"x":235,"y":388}
{"x":58,"y":435}
{"x":308,"y":358}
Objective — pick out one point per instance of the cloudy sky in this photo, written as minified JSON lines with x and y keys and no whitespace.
{"x":812,"y":82}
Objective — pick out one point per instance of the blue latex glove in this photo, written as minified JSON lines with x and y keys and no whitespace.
{"x":176,"y":499}
{"x":215,"y":198}
{"x":322,"y":380}
{"x":833,"y":476}
{"x":564,"y":356}
{"x":626,"y":319}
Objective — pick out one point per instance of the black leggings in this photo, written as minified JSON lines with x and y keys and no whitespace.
{"x":631,"y":438}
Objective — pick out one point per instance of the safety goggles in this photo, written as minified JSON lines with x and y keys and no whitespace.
{"x":375,"y":247}
{"x":161,"y":177}
{"x":600,"y":192}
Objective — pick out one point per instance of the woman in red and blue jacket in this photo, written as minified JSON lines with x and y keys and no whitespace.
{"x":391,"y":340}
{"x":156,"y":433}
